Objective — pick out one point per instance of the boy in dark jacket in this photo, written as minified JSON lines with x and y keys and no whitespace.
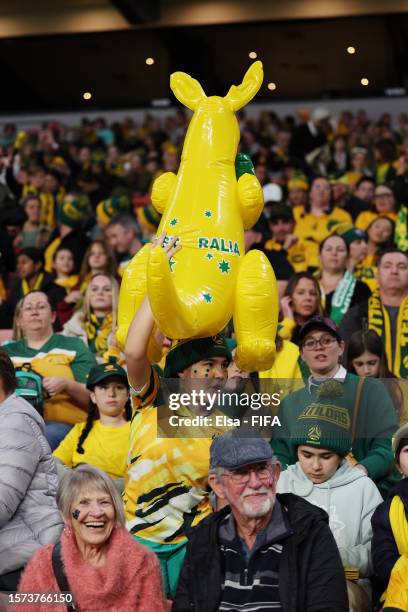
{"x":390,"y":519}
{"x":264,"y":550}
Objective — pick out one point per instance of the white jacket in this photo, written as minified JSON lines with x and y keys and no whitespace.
{"x":349,"y":497}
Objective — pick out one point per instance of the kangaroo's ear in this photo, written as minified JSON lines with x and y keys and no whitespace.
{"x":186,"y":89}
{"x":239,"y":95}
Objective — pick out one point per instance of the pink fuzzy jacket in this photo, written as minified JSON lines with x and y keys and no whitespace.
{"x":130,"y":580}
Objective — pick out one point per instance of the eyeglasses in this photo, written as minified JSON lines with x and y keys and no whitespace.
{"x":310,"y":344}
{"x":383,"y":195}
{"x":41,"y":307}
{"x":241,"y":477}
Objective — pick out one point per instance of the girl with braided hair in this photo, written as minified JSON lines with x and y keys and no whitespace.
{"x":101,"y":441}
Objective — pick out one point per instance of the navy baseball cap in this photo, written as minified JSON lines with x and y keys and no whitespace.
{"x":320,"y":323}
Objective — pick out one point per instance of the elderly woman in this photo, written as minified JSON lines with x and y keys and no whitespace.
{"x":95,"y":322}
{"x":63,"y":363}
{"x":96,"y":560}
{"x":29,"y":517}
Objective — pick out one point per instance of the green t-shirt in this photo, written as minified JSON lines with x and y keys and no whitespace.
{"x":59,"y":356}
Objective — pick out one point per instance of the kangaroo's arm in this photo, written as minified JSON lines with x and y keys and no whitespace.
{"x":250,"y":199}
{"x":162,"y":189}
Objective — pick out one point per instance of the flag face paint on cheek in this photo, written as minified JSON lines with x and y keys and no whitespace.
{"x":76,"y":514}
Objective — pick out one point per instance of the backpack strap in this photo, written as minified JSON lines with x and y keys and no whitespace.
{"x":356,"y":408}
{"x":59,"y":572}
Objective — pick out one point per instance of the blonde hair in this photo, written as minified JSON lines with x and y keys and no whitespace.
{"x":86,"y":309}
{"x":17,"y":331}
{"x":87,"y":476}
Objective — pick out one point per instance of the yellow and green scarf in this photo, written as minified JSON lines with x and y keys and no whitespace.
{"x":399,"y":526}
{"x":379,"y":321}
{"x":401,"y":229}
{"x":342,"y":297}
{"x":97,"y":331}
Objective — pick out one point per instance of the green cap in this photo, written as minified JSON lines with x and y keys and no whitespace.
{"x":243,"y":165}
{"x":187,"y":352}
{"x":103,"y":371}
{"x":347,"y":231}
{"x":323,"y":425}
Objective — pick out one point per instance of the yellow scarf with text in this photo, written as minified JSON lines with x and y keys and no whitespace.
{"x":379,"y":321}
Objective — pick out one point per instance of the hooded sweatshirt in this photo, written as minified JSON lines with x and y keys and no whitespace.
{"x":349,"y":497}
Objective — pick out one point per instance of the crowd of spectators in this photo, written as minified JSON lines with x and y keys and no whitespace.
{"x":75,"y":208}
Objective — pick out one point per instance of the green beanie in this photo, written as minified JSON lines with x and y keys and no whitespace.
{"x":323,"y":426}
{"x":149,"y":217}
{"x":187,"y":352}
{"x":73,"y":210}
{"x":116,"y":205}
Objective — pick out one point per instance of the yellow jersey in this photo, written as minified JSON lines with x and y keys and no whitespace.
{"x":105,"y":447}
{"x":310,"y":227}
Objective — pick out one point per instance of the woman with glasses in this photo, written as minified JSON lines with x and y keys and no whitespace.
{"x":385,"y":205}
{"x":95,"y":322}
{"x":367,"y":410}
{"x":62,"y":364}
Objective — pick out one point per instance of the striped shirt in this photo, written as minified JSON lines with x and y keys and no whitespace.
{"x":251,"y":581}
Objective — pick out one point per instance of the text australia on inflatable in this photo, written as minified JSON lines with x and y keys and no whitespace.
{"x":210,"y":279}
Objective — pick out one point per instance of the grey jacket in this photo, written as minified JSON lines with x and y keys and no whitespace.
{"x":29,"y":517}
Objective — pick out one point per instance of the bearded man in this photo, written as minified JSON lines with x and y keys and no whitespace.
{"x":262,"y":551}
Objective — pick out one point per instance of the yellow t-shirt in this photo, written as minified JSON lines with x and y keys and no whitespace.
{"x":302,"y":255}
{"x":167,"y":480}
{"x":310,"y":227}
{"x":286,"y":327}
{"x":285,"y":372}
{"x":105,"y":447}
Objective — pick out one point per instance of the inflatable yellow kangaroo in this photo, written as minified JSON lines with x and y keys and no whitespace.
{"x":210,"y":279}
